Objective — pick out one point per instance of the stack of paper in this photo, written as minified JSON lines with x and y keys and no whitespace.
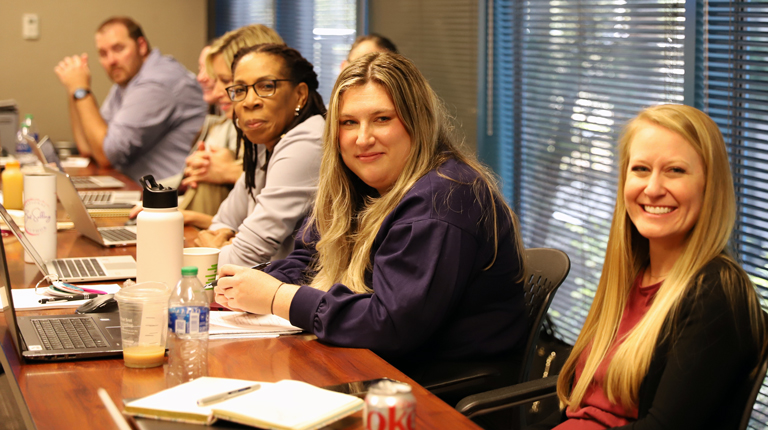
{"x":225,"y":324}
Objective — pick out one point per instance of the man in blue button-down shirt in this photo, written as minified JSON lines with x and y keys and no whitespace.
{"x":151,"y":115}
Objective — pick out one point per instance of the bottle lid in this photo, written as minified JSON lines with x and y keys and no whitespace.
{"x":156,"y":196}
{"x":189,"y":271}
{"x":12,"y":163}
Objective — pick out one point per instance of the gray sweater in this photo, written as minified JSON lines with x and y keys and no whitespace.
{"x":266,"y":220}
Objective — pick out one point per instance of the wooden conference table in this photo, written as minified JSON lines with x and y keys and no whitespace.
{"x":63,"y":395}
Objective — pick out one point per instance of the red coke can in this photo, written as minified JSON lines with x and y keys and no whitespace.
{"x":390,"y":405}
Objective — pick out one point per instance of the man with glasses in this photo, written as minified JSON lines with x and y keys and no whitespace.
{"x":151,"y":115}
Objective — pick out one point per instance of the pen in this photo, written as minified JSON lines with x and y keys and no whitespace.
{"x":68,"y":299}
{"x":205,"y":401}
{"x":211,"y":285}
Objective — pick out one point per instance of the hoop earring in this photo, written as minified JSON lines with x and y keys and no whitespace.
{"x":237,"y":122}
{"x":298,"y":109}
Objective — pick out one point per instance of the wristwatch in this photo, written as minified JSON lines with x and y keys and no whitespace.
{"x":81,"y":93}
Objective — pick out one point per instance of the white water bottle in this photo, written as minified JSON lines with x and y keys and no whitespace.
{"x":160,"y":235}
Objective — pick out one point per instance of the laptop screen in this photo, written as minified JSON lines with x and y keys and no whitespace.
{"x":23,"y":239}
{"x":9,"y":333}
{"x":46,"y":153}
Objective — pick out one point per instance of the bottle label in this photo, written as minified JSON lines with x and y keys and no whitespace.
{"x":188,"y":319}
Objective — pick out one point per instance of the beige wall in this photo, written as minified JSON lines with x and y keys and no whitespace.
{"x":177,"y":27}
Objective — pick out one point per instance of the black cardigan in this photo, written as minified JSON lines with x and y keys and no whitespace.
{"x":697,"y":379}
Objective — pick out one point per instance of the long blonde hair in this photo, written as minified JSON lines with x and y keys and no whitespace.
{"x":627,"y":255}
{"x":347,"y":214}
{"x":232,"y":41}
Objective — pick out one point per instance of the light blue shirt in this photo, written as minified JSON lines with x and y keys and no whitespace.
{"x":153,"y":120}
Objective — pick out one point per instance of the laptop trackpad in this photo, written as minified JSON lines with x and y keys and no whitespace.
{"x":128,"y":265}
{"x":114,"y":333}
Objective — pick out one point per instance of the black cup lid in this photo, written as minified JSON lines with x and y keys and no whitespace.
{"x":157,"y":196}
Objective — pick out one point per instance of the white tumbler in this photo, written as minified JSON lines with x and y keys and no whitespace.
{"x":160,"y":235}
{"x":40,"y":215}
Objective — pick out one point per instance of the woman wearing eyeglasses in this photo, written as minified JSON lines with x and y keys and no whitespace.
{"x":278,"y":115}
{"x":410,"y":250}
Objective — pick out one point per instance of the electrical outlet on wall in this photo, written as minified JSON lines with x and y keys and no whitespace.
{"x":30,"y":26}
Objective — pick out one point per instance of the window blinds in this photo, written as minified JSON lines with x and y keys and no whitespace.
{"x":322,"y":30}
{"x":736,"y":97}
{"x":566,"y":76}
{"x":232,"y":14}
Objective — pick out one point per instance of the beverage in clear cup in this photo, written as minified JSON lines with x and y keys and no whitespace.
{"x":207,"y":262}
{"x":144,"y":323}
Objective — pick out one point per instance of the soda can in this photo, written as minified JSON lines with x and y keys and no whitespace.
{"x":390,"y":405}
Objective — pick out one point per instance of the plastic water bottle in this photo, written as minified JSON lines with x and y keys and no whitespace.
{"x":26,"y":136}
{"x":160,"y":234}
{"x":188,"y":322}
{"x":22,"y":144}
{"x":28,"y":127}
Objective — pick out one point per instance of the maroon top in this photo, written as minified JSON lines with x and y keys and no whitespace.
{"x":597,"y":412}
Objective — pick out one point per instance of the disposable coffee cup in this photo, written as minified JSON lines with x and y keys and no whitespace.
{"x":207,"y":262}
{"x":144,"y":323}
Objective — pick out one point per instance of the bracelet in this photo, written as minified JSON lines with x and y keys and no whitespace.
{"x":272,"y":305}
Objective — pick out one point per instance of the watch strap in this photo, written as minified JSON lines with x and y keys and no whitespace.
{"x":81,"y":93}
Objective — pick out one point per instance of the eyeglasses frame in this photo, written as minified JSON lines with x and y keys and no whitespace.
{"x":274,"y":82}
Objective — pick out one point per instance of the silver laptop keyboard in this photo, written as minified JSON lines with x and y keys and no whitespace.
{"x":95,"y":197}
{"x":82,"y":181}
{"x":69,"y":333}
{"x":79,"y":268}
{"x":118,"y":234}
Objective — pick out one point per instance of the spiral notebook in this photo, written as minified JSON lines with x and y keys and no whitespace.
{"x":285,"y":405}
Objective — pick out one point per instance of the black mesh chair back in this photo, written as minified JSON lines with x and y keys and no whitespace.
{"x":545,"y":271}
{"x":755,"y":385}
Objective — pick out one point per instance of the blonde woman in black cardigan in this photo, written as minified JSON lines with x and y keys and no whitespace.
{"x":676,"y":327}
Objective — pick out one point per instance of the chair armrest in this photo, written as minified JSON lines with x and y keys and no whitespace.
{"x":507,"y":397}
{"x":450,"y":380}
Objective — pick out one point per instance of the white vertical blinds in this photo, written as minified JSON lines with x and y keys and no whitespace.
{"x":232,"y":14}
{"x":322,"y":30}
{"x":334,"y":31}
{"x":736,"y":97}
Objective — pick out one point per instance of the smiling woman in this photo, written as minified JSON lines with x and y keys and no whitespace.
{"x":673,"y":308}
{"x":663,"y":191}
{"x":410,"y":250}
{"x":373,"y":141}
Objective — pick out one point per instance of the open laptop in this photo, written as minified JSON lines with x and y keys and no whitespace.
{"x":78,"y":213}
{"x":108,"y":199}
{"x":83,"y":269}
{"x":58,"y":337}
{"x":46,"y":153}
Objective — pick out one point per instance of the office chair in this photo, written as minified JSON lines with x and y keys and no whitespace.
{"x":755,"y":384}
{"x":540,"y":389}
{"x":545,"y":270}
